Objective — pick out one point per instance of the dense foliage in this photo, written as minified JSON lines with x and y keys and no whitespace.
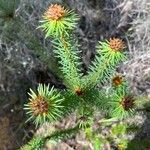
{"x":82,"y":94}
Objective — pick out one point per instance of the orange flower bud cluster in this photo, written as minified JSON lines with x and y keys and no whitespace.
{"x":117,"y":80}
{"x":127,"y":102}
{"x":39,"y":106}
{"x":54,"y":12}
{"x":116,"y":44}
{"x":78,"y":91}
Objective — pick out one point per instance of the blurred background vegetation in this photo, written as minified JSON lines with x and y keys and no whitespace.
{"x":26,"y":57}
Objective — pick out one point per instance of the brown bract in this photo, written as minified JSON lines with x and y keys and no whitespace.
{"x":128,"y":102}
{"x":116,"y":44}
{"x":54,"y":12}
{"x":117,"y":80}
{"x":78,"y":91}
{"x":39,"y":106}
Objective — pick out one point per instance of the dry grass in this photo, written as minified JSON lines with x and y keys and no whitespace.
{"x":137,"y":68}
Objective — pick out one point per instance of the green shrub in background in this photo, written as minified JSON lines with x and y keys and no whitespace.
{"x":14,"y":30}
